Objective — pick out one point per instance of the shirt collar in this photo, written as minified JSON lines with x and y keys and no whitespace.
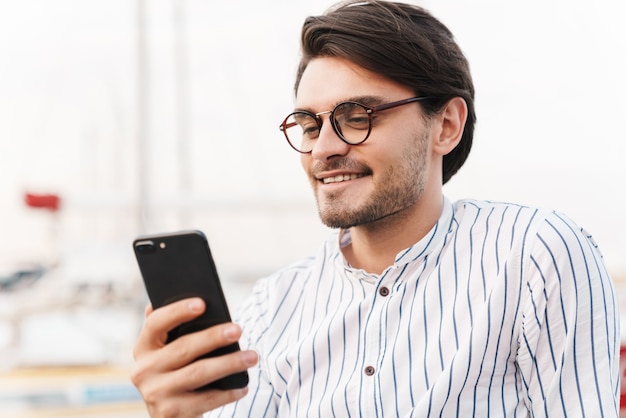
{"x":432,"y":240}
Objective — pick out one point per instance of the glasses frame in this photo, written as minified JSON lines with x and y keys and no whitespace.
{"x":370,"y":110}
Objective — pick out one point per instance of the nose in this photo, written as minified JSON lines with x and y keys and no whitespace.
{"x":328,"y":144}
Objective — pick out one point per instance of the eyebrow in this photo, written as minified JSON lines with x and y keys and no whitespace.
{"x":367,"y":100}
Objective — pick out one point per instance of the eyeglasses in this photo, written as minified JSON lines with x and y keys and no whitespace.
{"x":351,"y":121}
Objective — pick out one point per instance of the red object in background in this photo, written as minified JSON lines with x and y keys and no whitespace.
{"x":52,"y":202}
{"x":622,"y":375}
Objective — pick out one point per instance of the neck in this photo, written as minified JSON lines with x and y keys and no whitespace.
{"x":375,"y":245}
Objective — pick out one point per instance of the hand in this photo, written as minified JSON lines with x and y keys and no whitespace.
{"x":166,"y":374}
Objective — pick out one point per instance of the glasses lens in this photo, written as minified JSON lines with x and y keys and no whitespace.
{"x":301,"y":130}
{"x":352,"y":122}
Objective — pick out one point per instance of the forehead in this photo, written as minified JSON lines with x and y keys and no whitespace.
{"x":327,"y":81}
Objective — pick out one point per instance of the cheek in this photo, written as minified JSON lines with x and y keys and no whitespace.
{"x":305,"y":162}
{"x":383,"y":157}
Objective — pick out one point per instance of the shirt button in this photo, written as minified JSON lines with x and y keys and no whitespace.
{"x":384,"y":291}
{"x":369,"y":370}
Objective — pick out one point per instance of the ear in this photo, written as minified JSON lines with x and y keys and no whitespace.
{"x":452,"y":119}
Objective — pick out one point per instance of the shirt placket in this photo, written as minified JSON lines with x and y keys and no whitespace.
{"x":375,"y":345}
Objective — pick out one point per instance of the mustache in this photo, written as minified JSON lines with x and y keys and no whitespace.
{"x":340,"y":164}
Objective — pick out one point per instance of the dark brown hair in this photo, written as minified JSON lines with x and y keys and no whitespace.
{"x":404,"y":43}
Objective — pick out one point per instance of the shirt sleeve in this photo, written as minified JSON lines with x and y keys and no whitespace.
{"x":568,"y":355}
{"x":259,"y":402}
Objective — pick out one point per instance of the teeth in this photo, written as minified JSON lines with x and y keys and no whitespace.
{"x":341,"y":177}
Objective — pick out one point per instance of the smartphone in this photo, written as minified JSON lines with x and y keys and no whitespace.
{"x":179,"y":265}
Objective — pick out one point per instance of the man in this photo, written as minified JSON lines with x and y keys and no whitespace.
{"x":416,"y":306}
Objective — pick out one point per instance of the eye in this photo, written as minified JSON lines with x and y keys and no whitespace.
{"x":311,"y":132}
{"x":352,"y":115}
{"x":307,"y":124}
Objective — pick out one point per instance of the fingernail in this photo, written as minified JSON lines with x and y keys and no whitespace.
{"x":249,"y":358}
{"x":231,"y":332}
{"x":195,"y":305}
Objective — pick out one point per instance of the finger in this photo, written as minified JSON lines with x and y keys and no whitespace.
{"x":165,"y":393}
{"x":191,"y":404}
{"x":208,"y":370}
{"x":188,"y":348}
{"x":212,"y":399}
{"x":159,"y":322}
{"x":148,"y":310}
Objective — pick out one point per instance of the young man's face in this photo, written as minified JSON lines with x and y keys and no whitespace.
{"x":386,"y":175}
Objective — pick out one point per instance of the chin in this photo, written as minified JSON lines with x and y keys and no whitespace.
{"x":335,"y":219}
{"x":342,"y":219}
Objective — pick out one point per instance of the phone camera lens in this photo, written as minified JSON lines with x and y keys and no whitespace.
{"x":145,"y":247}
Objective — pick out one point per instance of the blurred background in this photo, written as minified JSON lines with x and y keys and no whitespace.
{"x":124,"y":117}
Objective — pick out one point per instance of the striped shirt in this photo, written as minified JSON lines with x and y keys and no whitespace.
{"x":499,"y":311}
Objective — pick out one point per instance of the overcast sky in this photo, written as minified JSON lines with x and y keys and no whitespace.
{"x":550,"y":103}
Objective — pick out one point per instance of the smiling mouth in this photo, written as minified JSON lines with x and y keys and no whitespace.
{"x":342,"y":177}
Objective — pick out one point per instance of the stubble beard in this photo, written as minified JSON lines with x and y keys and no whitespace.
{"x":400,"y":187}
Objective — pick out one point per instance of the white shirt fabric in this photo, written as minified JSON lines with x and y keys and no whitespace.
{"x":500,"y":310}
